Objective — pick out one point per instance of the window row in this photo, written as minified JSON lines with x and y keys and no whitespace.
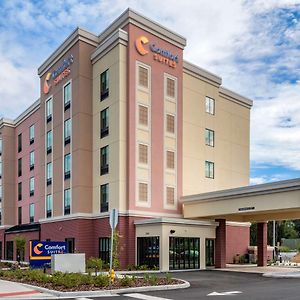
{"x":143,"y":193}
{"x":67,"y":203}
{"x":20,"y":142}
{"x":67,"y":99}
{"x":67,"y":169}
{"x":31,"y":188}
{"x":31,"y":214}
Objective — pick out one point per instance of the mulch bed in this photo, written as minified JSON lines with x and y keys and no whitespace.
{"x":139,"y":282}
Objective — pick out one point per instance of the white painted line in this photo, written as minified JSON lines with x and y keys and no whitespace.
{"x":225,"y":293}
{"x":144,"y":297}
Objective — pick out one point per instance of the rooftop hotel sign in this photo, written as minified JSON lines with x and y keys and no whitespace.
{"x":161,"y":55}
{"x":58,"y":74}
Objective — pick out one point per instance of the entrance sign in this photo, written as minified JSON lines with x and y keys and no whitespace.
{"x":40,"y":252}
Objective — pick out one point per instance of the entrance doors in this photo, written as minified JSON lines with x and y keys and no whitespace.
{"x":148,"y":251}
{"x":184,"y":253}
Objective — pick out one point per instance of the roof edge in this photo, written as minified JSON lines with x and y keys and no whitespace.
{"x":236,"y":97}
{"x":132,"y":16}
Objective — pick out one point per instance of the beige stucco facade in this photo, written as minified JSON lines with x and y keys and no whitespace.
{"x":231,"y":126}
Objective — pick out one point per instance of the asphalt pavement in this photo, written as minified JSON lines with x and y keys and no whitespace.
{"x":211,"y":284}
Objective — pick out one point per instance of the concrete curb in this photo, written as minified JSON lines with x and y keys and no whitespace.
{"x":58,"y":294}
{"x":282,"y":275}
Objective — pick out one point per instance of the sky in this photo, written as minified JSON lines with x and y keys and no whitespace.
{"x":254,"y":45}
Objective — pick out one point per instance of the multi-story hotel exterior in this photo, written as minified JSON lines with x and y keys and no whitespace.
{"x":124,"y":122}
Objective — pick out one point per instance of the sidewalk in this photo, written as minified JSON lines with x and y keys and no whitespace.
{"x":269,"y":271}
{"x":13,"y":289}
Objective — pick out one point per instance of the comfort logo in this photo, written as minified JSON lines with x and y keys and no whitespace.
{"x":139,"y":45}
{"x":47,"y":86}
{"x":36,"y":249}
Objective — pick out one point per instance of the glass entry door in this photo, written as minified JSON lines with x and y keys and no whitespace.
{"x":184,"y":253}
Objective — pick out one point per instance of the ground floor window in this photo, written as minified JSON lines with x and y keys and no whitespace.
{"x":184,"y":253}
{"x":104,"y":249}
{"x":210,"y":252}
{"x":148,"y":251}
{"x":71,"y":244}
{"x":0,"y":250}
{"x":9,"y":250}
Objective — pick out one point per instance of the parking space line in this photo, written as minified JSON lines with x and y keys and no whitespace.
{"x":144,"y":297}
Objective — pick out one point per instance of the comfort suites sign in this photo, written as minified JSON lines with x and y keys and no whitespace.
{"x":165,"y":56}
{"x":57,"y":75}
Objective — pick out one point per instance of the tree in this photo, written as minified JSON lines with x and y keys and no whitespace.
{"x":20,"y":246}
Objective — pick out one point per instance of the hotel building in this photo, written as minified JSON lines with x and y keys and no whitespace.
{"x":123,"y":121}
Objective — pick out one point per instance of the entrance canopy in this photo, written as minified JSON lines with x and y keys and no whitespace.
{"x":272,"y":201}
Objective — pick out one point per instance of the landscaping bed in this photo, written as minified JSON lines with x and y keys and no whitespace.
{"x":71,"y":282}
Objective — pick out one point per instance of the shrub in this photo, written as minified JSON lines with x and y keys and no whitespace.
{"x":94,"y":263}
{"x":101,"y":281}
{"x":284,"y":249}
{"x":127,"y":281}
{"x":168,"y":278}
{"x":153,"y":279}
{"x":143,"y":267}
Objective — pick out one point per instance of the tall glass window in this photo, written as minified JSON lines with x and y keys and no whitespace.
{"x":31,"y":212}
{"x":104,"y":85}
{"x":104,"y":122}
{"x":67,"y":131}
{"x":0,"y":193}
{"x":20,"y":191}
{"x":20,"y":167}
{"x":209,"y":137}
{"x":49,"y":206}
{"x":31,"y":134}
{"x":104,"y":249}
{"x":67,"y":166}
{"x":1,"y":146}
{"x":19,"y":215}
{"x":104,"y":197}
{"x":104,"y":160}
{"x":209,"y":169}
{"x":210,"y":252}
{"x":49,"y":141}
{"x":148,"y":251}
{"x":67,"y":95}
{"x":20,"y":142}
{"x":31,"y":160}
{"x":0,"y":169}
{"x":210,"y":105}
{"x":49,"y":110}
{"x":67,"y":202}
{"x":49,"y":172}
{"x":31,"y":186}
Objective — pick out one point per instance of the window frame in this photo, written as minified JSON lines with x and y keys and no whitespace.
{"x":104,"y":163}
{"x":31,"y":134}
{"x":210,"y":105}
{"x":104,"y":122}
{"x":211,"y":172}
{"x":104,"y":197}
{"x":208,"y":141}
{"x":104,"y":85}
{"x":67,"y":201}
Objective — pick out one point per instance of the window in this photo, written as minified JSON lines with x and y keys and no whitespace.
{"x":143,"y":192}
{"x":1,"y":146}
{"x":148,"y":251}
{"x":143,"y":76}
{"x":0,"y":193}
{"x":104,"y":249}
{"x":170,"y":160}
{"x":143,"y":154}
{"x":104,"y":160}
{"x":67,"y":202}
{"x":20,"y":191}
{"x":49,"y":141}
{"x":67,"y":166}
{"x":20,"y":142}
{"x":67,"y":131}
{"x":210,"y":252}
{"x":104,"y":125}
{"x":1,"y":247}
{"x":170,"y":123}
{"x":70,"y":244}
{"x":170,"y":87}
{"x":31,"y":186}
{"x":209,"y":169}
{"x":9,"y":250}
{"x":104,"y":85}
{"x":49,"y":109}
{"x":19,"y":215}
{"x":0,"y":169}
{"x":210,"y":105}
{"x":170,"y":195}
{"x":209,"y":137}
{"x":49,"y":206}
{"x":67,"y":95}
{"x":31,"y":134}
{"x":31,"y":160}
{"x":49,"y":173}
{"x":104,"y":197}
{"x":31,"y":212}
{"x":0,"y":224}
{"x":20,"y":167}
{"x":143,"y":115}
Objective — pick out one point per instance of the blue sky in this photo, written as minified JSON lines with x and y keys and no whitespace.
{"x":253,"y":45}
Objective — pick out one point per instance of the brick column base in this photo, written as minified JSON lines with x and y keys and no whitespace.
{"x":220,"y":255}
{"x":262,"y":244}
